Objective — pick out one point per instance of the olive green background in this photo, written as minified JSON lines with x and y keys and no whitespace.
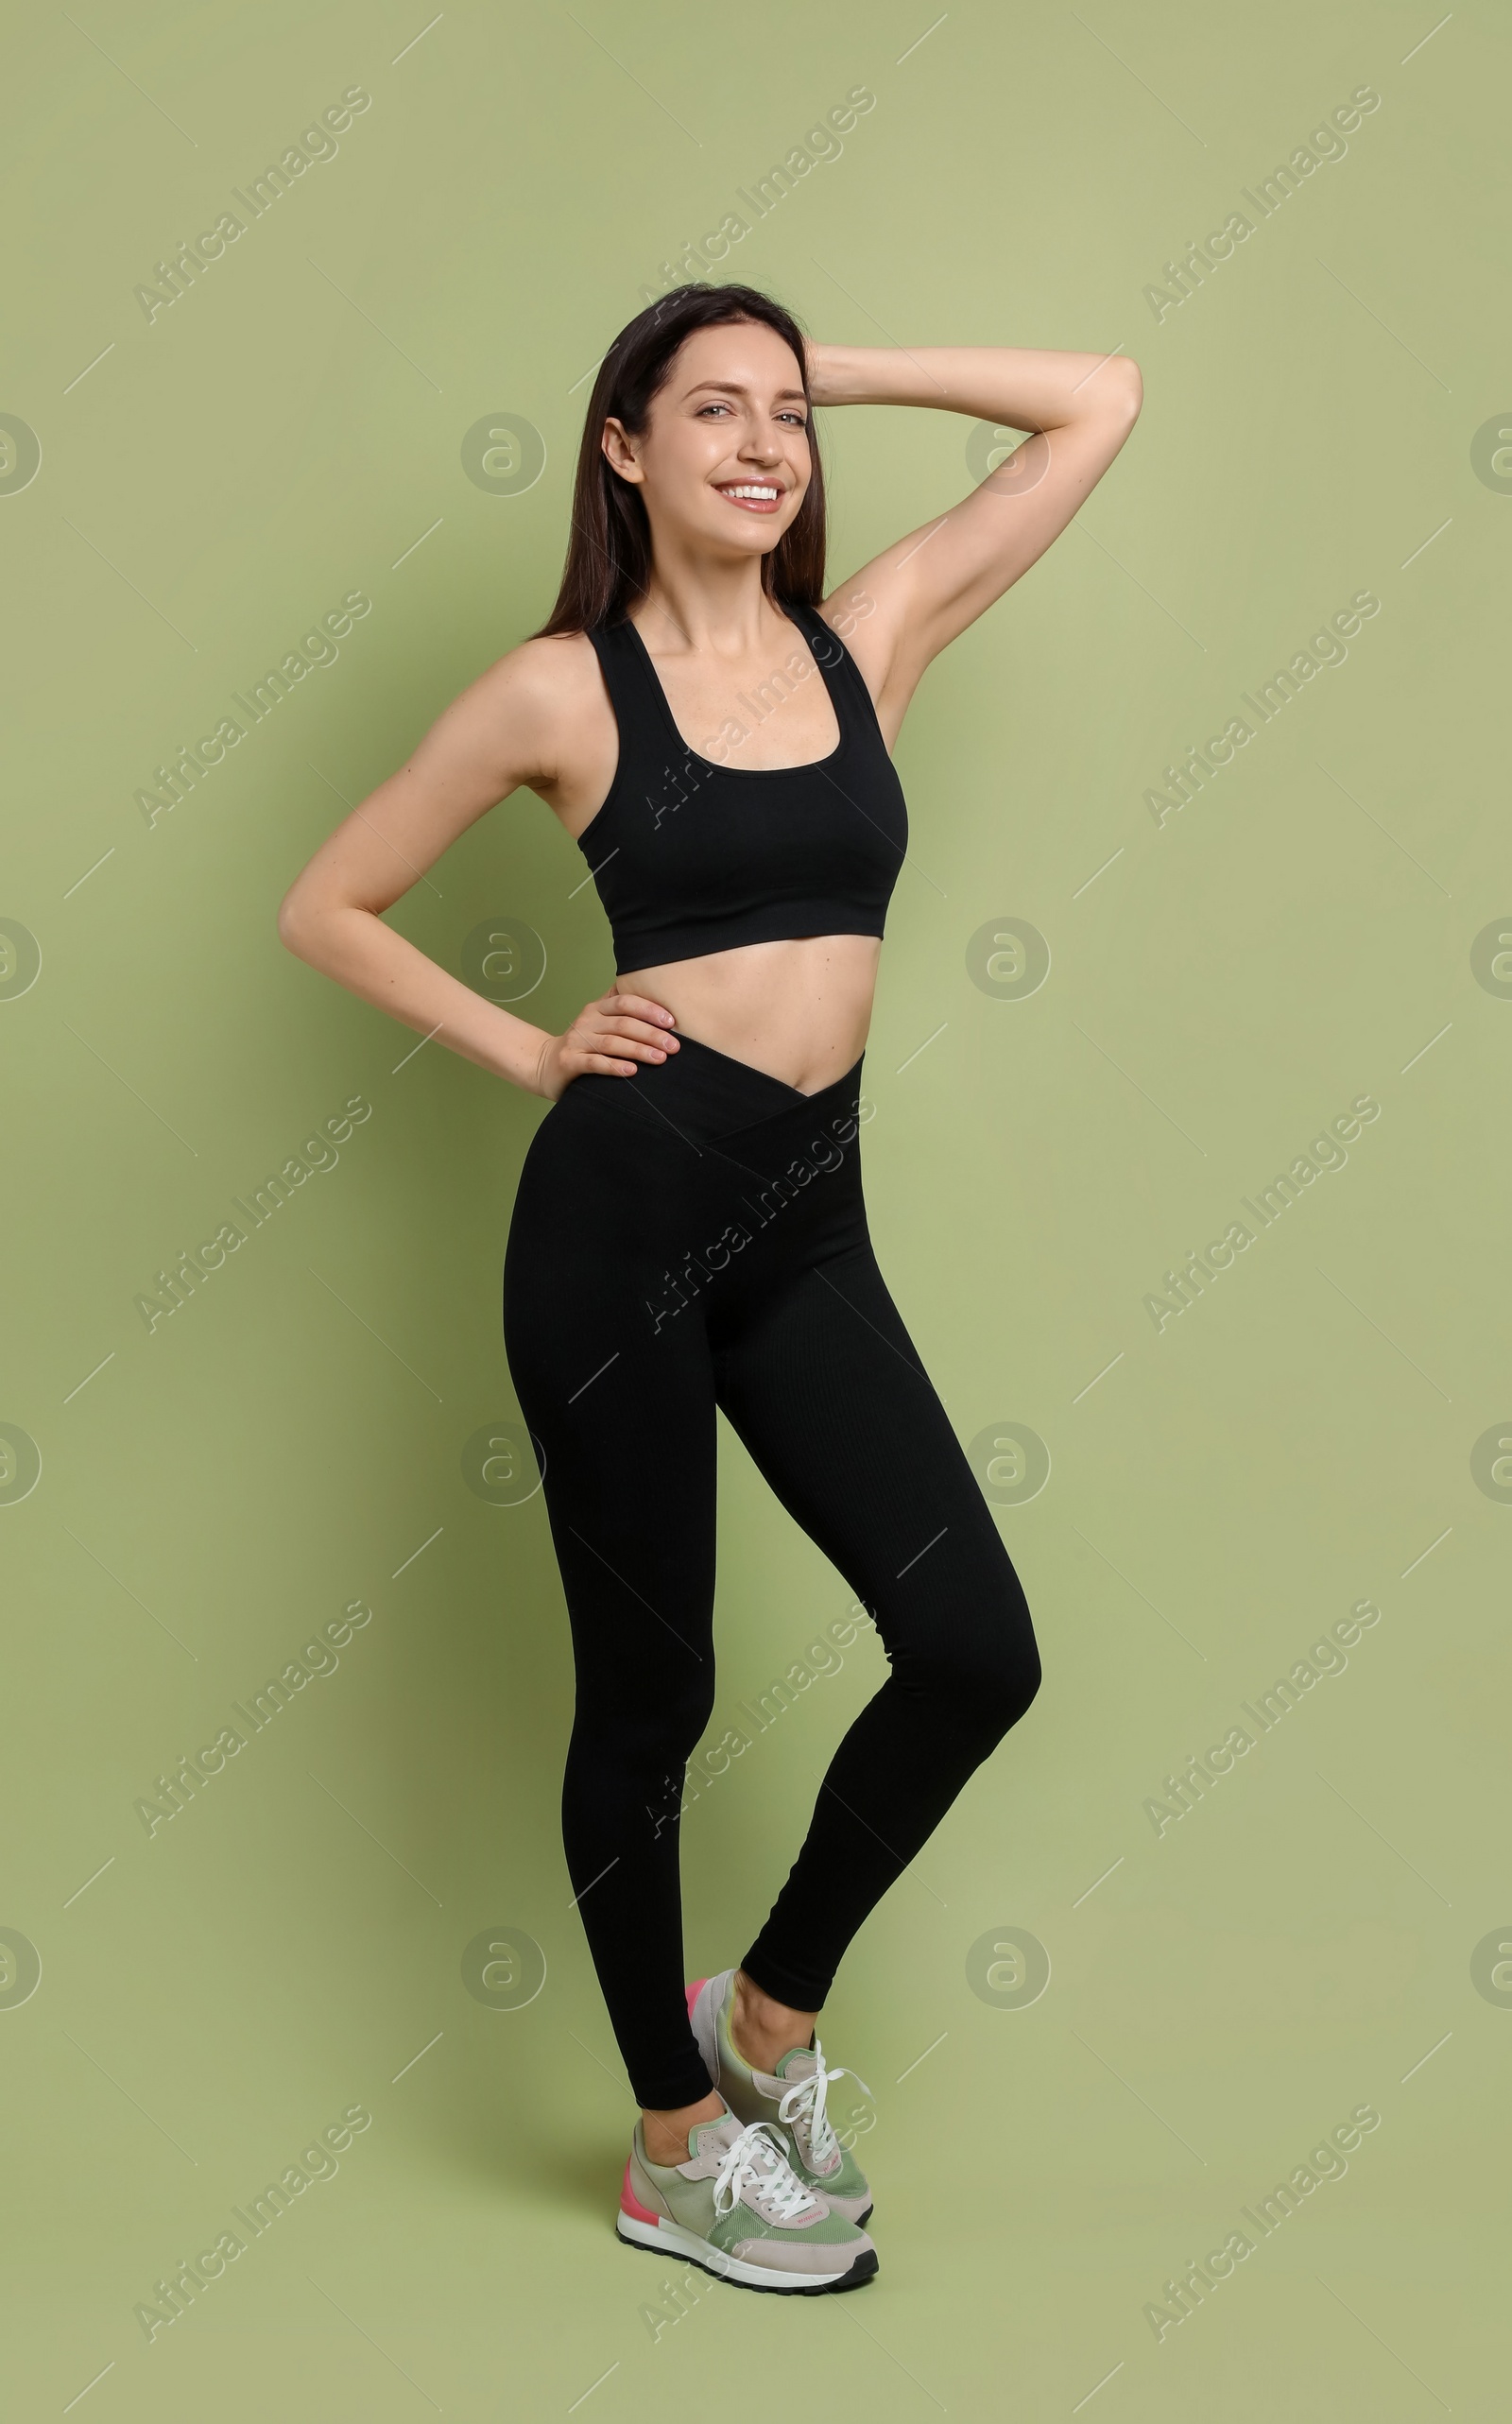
{"x":1221,"y":986}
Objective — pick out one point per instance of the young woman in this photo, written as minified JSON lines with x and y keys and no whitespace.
{"x":714,"y":732}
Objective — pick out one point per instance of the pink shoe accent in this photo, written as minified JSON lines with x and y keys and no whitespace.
{"x":631,"y":2203}
{"x":693,"y":1992}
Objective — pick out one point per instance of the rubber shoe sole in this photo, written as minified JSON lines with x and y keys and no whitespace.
{"x":664,"y":2238}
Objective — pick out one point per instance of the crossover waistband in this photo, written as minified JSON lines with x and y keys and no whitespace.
{"x":704,"y":1095}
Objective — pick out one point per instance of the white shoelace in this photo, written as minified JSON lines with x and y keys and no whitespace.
{"x":773,"y":2176}
{"x":806,"y":2101}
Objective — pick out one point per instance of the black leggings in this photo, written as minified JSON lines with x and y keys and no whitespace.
{"x":695,"y":1236}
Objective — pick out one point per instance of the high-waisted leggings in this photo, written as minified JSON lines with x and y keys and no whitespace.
{"x":690,"y":1237}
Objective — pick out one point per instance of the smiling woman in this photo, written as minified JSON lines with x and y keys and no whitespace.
{"x":648,"y":1279}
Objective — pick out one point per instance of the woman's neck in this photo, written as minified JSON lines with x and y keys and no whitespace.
{"x":709,"y":610}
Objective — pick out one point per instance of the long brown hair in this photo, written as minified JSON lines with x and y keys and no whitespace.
{"x":609,"y":555}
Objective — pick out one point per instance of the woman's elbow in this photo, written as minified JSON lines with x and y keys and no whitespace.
{"x":295,"y":922}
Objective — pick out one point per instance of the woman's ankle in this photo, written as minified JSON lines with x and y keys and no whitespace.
{"x":667,"y":2133}
{"x":763,"y":2029}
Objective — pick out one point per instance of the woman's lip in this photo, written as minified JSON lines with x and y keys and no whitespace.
{"x":751,"y":504}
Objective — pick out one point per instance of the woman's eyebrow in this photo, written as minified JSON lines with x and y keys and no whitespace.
{"x":734,"y":387}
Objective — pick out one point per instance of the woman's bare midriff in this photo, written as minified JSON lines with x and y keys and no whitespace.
{"x":799,"y":1010}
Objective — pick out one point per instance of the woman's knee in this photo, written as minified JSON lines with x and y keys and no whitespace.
{"x":986,"y":1671}
{"x":997,"y":1684}
{"x":645,"y":1723}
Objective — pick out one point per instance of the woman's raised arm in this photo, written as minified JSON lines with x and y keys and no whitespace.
{"x":930,"y":584}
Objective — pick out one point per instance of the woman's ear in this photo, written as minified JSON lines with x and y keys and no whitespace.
{"x":619,"y":453}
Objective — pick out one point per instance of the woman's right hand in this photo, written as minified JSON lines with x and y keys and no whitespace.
{"x":607,"y":1039}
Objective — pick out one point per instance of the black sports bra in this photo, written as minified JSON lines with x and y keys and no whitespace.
{"x":690,"y":856}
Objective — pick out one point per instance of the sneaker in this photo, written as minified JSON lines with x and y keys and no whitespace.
{"x":736,"y":2208}
{"x":790,"y":2100}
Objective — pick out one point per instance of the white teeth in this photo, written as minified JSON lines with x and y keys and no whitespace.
{"x":766,"y":496}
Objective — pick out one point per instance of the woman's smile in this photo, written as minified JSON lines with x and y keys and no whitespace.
{"x":752,"y":496}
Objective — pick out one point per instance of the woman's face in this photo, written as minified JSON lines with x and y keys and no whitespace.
{"x":723,"y":463}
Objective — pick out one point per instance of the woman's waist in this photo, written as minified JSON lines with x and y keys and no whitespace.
{"x":797,"y":1009}
{"x":690,"y":1148}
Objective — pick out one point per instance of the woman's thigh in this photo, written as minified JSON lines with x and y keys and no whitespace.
{"x":617,"y":1393}
{"x":825,"y":1388}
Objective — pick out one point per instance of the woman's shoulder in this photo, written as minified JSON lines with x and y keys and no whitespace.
{"x":539,"y":715}
{"x":545,"y":676}
{"x":547,"y":692}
